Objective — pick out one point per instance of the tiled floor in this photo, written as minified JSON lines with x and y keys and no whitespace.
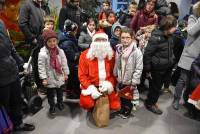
{"x":73,"y":120}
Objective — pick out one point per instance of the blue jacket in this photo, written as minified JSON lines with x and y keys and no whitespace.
{"x":69,"y":44}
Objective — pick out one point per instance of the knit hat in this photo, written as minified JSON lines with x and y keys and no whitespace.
{"x":100,"y":34}
{"x":70,"y":26}
{"x":48,"y":34}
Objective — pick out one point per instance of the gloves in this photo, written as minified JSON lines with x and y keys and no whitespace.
{"x":95,"y":95}
{"x":106,"y":86}
{"x":91,"y":90}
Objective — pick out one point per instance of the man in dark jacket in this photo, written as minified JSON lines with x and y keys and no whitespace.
{"x":69,"y":44}
{"x":10,"y":88}
{"x":73,"y":12}
{"x":31,"y":19}
{"x":158,"y":60}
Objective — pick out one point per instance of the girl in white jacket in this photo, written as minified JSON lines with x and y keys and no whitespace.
{"x":53,"y":69}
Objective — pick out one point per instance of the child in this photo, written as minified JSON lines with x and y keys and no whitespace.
{"x":111,"y":19}
{"x":125,"y":19}
{"x":85,"y":38}
{"x":115,"y":32}
{"x":53,"y":69}
{"x":69,"y":44}
{"x":158,"y":60}
{"x":128,"y":69}
{"x":48,"y":25}
{"x":102,"y":15}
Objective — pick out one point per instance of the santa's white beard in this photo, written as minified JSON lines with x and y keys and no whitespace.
{"x":100,"y":50}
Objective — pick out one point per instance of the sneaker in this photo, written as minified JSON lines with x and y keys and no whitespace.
{"x":24,"y":127}
{"x":175,"y":104}
{"x":60,"y":106}
{"x":52,"y":111}
{"x":154,"y":108}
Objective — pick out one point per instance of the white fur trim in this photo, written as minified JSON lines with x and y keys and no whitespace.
{"x":91,"y":89}
{"x":101,"y":70}
{"x":109,"y":86}
{"x":192,"y":101}
{"x":195,"y":103}
{"x":100,"y":35}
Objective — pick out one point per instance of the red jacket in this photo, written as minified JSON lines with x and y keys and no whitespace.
{"x":89,"y":71}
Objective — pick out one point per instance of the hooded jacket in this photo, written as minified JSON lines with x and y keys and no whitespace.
{"x":158,"y":55}
{"x":114,"y":40}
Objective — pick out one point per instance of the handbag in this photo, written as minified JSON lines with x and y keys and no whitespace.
{"x":6,"y":125}
{"x":126,"y":92}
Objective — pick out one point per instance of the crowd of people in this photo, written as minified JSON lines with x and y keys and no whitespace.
{"x":88,"y":59}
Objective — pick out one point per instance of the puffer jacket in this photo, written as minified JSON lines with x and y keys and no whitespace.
{"x":54,"y":79}
{"x":9,"y":59}
{"x":133,"y":68}
{"x":158,"y":55}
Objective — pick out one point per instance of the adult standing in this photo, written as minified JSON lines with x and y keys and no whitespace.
{"x":10,"y":88}
{"x":31,"y":19}
{"x":73,"y":12}
{"x":190,"y":53}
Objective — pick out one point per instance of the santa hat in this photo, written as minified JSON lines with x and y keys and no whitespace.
{"x":195,"y":97}
{"x":100,"y":34}
{"x":48,"y":34}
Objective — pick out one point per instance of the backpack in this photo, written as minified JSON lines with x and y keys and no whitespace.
{"x":6,"y":125}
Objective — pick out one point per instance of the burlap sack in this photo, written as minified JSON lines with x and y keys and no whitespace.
{"x":101,"y":112}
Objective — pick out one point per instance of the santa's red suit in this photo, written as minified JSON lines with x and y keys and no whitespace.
{"x":96,"y":76}
{"x":195,"y":97}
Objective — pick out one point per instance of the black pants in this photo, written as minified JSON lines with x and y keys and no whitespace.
{"x":126,"y":105}
{"x":73,"y":83}
{"x":10,"y":98}
{"x":51,"y":94}
{"x":155,"y":85}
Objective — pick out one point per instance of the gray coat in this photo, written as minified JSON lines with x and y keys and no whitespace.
{"x":84,"y":40}
{"x":54,"y":79}
{"x":192,"y":47}
{"x":133,"y":68}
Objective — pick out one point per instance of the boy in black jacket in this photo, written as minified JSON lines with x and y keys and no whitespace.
{"x":159,"y":59}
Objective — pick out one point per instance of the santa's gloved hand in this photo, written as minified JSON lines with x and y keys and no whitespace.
{"x":95,"y":95}
{"x":89,"y":90}
{"x":106,"y":86}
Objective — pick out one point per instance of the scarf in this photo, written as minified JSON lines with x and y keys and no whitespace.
{"x":54,"y":62}
{"x":90,"y":33}
{"x":125,"y":52}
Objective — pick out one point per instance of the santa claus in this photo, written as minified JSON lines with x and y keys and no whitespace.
{"x":96,"y":73}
